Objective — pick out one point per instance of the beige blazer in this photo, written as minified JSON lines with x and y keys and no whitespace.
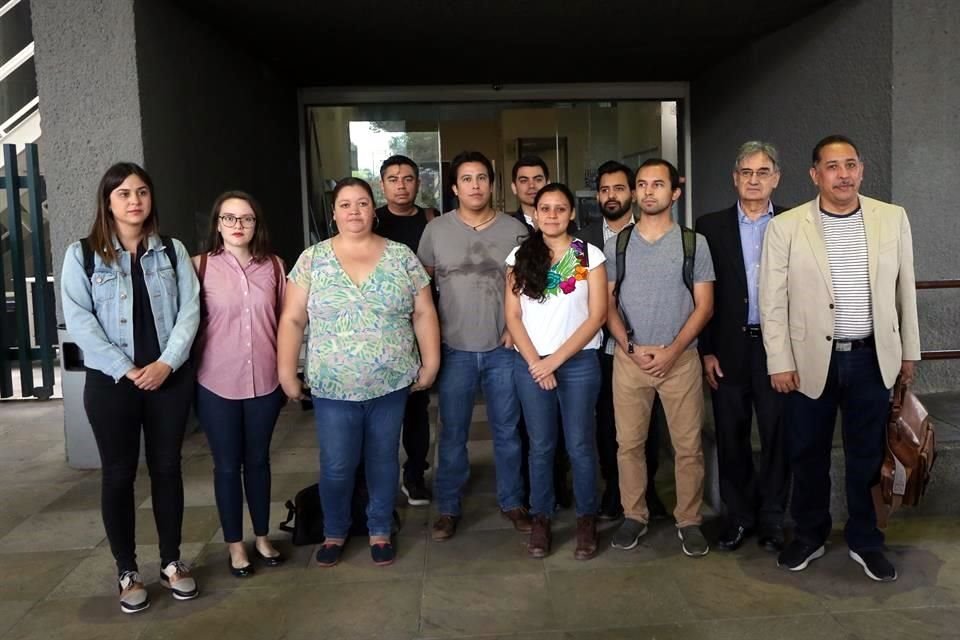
{"x":796,"y":293}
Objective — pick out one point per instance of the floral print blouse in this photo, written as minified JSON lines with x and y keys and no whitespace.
{"x":360,"y":342}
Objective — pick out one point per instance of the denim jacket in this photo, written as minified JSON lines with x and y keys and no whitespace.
{"x":98,"y":310}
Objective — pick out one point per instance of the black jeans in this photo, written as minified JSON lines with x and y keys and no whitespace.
{"x":855,"y":387}
{"x":416,"y":434}
{"x":752,"y":497}
{"x":607,"y":433}
{"x":239,"y":433}
{"x":117,"y":412}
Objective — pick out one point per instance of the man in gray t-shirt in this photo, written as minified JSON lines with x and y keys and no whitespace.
{"x":655,"y":299}
{"x":465,"y":251}
{"x":470,"y":271}
{"x":659,"y":357}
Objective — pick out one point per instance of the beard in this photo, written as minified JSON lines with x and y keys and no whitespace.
{"x":616,"y":214}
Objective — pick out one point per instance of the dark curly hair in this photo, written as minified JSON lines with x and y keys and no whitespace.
{"x":532,"y":262}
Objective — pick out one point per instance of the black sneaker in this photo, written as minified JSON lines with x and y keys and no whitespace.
{"x":416,"y":491}
{"x":628,"y":535}
{"x":875,"y":565}
{"x":798,"y":555}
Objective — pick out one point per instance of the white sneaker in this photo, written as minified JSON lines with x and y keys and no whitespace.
{"x":133,"y":595}
{"x":176,"y":577}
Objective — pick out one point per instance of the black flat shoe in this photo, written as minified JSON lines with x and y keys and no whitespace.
{"x":270,"y":561}
{"x":733,"y":538}
{"x":240,"y":572}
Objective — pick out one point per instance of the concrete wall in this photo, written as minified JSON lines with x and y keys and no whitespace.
{"x":138,"y":80}
{"x":829,"y":73}
{"x":926,"y":164}
{"x":88,"y":88}
{"x":215,"y":118}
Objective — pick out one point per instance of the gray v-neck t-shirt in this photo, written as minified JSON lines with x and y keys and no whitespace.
{"x":470,"y":274}
{"x":653,"y":294}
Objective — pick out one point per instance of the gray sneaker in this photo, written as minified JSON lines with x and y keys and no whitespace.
{"x":133,"y":595}
{"x":628,"y":535}
{"x":692,"y":541}
{"x":176,"y":577}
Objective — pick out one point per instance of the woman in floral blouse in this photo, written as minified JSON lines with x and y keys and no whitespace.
{"x":369,"y":307}
{"x":556,"y":303}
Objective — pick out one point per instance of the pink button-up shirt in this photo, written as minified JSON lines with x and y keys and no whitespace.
{"x":239,"y":357}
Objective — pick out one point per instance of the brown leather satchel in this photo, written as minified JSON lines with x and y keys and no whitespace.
{"x":911,"y":451}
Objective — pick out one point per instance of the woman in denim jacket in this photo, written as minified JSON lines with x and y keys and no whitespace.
{"x":134,"y":313}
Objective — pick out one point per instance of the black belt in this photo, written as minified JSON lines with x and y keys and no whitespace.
{"x":853,"y":345}
{"x":752,"y":331}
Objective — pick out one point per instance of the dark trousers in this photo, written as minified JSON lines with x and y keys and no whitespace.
{"x":239,"y":433}
{"x":753,"y":497}
{"x":855,"y":387}
{"x":117,"y":412}
{"x":607,"y":433}
{"x":416,"y":434}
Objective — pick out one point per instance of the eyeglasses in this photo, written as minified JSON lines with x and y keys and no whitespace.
{"x":230,"y":221}
{"x":762,"y":174}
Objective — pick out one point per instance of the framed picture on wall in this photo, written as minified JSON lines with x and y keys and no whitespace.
{"x":552,"y":150}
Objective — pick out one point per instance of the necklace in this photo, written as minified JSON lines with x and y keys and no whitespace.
{"x":476,"y":227}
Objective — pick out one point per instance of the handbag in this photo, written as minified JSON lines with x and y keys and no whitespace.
{"x":910,"y":455}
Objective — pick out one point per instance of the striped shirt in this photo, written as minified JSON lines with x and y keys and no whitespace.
{"x":846,"y":241}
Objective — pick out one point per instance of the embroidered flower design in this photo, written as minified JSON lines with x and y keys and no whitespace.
{"x":571,"y":268}
{"x":553,"y":281}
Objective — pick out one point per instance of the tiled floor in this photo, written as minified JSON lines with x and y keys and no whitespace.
{"x":56,"y":573}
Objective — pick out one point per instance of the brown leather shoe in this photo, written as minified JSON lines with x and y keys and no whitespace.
{"x":520,"y":519}
{"x":539,"y":544}
{"x":586,"y":538}
{"x":444,"y":528}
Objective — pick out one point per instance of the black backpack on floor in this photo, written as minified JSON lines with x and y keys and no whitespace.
{"x":305,"y":515}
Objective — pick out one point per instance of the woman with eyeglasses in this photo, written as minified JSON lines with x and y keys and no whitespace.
{"x":238,"y":394}
{"x":130,"y":303}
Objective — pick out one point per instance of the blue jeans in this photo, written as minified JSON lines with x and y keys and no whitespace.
{"x":346,"y":431}
{"x":855,"y":386}
{"x":460,"y":374}
{"x":575,"y":397}
{"x":239,"y":433}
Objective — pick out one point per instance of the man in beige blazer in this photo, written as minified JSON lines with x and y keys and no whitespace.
{"x":838,"y":314}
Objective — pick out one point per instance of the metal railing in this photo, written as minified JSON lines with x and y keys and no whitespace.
{"x":939,"y":354}
{"x":21,"y":348}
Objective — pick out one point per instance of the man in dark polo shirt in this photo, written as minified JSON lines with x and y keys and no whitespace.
{"x":401,"y":220}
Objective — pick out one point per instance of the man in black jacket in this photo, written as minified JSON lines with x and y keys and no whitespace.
{"x":615,"y":196}
{"x":734,"y":360}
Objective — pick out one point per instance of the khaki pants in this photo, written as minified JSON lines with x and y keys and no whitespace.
{"x":681,"y":392}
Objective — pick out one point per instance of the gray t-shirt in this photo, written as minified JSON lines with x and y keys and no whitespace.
{"x":653,"y":294}
{"x":470,"y":276}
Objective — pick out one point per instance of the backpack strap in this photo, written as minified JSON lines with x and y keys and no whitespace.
{"x":278,"y":275}
{"x":202,"y":271}
{"x":623,"y":239}
{"x":87,"y":252}
{"x":689,"y":255}
{"x":171,"y":251}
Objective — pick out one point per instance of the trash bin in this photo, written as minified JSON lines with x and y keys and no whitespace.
{"x":79,"y":443}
